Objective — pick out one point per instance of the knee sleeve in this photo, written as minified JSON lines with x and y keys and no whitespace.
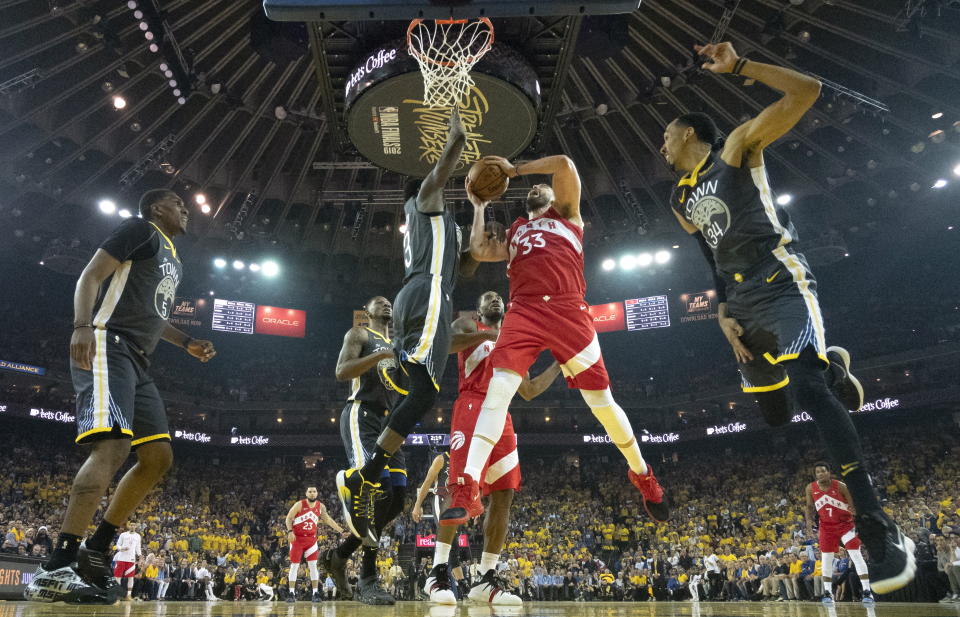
{"x":314,"y":574}
{"x":609,"y":414}
{"x":420,"y":399}
{"x":493,"y":413}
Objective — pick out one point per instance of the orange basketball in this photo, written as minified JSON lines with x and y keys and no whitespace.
{"x":487,"y":181}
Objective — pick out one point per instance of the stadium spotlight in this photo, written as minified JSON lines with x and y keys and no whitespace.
{"x":107,"y":206}
{"x":200,"y":198}
{"x":628,"y":262}
{"x":937,"y":115}
{"x":211,"y":292}
{"x":205,"y":208}
{"x":662,"y":257}
{"x":119,"y":102}
{"x":608,"y":264}
{"x":270,"y":268}
{"x":644,"y":259}
{"x":219,"y":262}
{"x":956,"y":170}
{"x":237,"y":264}
{"x":939,"y":184}
{"x":402,"y":228}
{"x":254,"y":267}
{"x":784,"y":199}
{"x":124,"y":213}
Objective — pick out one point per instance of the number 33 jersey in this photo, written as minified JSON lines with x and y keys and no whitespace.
{"x":546,"y":257}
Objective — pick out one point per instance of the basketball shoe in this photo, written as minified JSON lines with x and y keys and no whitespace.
{"x":464,"y":502}
{"x":317,"y":598}
{"x":492,"y":590}
{"x":369,"y":591}
{"x":438,"y":585}
{"x":64,"y":585}
{"x":827,"y":598}
{"x":845,"y":385}
{"x":868,"y":599}
{"x":356,"y":495}
{"x":94,"y":567}
{"x":336,"y":566}
{"x":653,"y":501}
{"x":892,"y":564}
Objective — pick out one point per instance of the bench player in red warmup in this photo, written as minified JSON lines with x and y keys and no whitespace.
{"x":832,"y":502}
{"x":547,"y":310}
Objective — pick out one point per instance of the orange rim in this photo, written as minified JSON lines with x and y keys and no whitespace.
{"x":418,"y":54}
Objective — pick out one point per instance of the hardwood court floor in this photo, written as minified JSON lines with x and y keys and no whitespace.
{"x":422,"y":609}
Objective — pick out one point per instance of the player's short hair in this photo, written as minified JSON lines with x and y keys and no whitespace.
{"x":366,"y":305}
{"x":411,"y":187}
{"x":823,"y":464}
{"x":704,"y":127}
{"x":310,"y":486}
{"x":151,"y":197}
{"x":483,"y":295}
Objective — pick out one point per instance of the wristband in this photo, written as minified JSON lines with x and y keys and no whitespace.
{"x":738,"y":66}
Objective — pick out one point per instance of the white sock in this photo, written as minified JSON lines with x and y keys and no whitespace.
{"x":292,"y":578}
{"x":441,"y":554}
{"x":488,"y":561}
{"x":490,"y":422}
{"x":865,"y":583}
{"x":857,"y":558}
{"x":827,"y":560}
{"x":615,"y":422}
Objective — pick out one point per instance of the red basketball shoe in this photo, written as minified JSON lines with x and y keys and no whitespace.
{"x":653,"y":501}
{"x":464,"y":502}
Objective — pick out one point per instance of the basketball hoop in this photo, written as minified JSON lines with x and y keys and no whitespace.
{"x":447,"y":50}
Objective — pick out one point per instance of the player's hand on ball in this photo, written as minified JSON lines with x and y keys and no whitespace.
{"x":83,"y":346}
{"x":476,"y":201}
{"x":201,"y":350}
{"x":733,"y":331}
{"x":722,"y":55}
{"x":506,"y":166}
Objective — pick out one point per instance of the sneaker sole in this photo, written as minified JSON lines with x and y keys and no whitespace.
{"x":660,"y":517}
{"x":341,"y":487}
{"x":845,"y":355}
{"x":906,"y":575}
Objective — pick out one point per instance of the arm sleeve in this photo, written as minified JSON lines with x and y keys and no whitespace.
{"x":134,"y":239}
{"x":718,"y":282}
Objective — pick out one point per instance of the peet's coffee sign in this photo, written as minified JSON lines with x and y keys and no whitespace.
{"x":698,"y":306}
{"x":374,"y":61}
{"x":249,"y":440}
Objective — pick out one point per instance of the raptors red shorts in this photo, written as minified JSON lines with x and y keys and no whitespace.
{"x":502,"y":471}
{"x":304,"y":548}
{"x":124,"y":569}
{"x":831,"y":536}
{"x":561,"y":324}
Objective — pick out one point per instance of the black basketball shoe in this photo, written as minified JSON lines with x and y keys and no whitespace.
{"x":94,"y":568}
{"x":369,"y":591}
{"x":892,"y":564}
{"x":64,"y":585}
{"x":356,"y":496}
{"x":845,"y":386}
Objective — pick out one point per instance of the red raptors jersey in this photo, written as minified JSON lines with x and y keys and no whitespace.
{"x":546,"y":257}
{"x":830,"y":505}
{"x":475,"y":368}
{"x":306,"y":523}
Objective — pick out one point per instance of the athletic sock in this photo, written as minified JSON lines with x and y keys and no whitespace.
{"x":441,"y":554}
{"x":368,"y":563}
{"x":102,"y":537}
{"x":65,"y":553}
{"x":488,"y":561}
{"x":348,"y":547}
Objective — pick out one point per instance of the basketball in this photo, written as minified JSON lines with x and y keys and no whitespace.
{"x":487,"y":181}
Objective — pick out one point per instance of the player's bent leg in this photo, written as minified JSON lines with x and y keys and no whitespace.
{"x":891,"y":552}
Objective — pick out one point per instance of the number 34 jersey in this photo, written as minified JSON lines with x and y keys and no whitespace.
{"x":546,"y":257}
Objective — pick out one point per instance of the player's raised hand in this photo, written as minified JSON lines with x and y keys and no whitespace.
{"x":201,"y":350}
{"x":456,"y":123}
{"x":476,"y":201}
{"x":506,"y":166}
{"x":722,"y":57}
{"x":733,"y":331}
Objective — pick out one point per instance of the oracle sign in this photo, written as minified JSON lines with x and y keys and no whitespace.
{"x":726,"y":429}
{"x":280,"y":321}
{"x":660,"y":438}
{"x":196,"y":437}
{"x":249,"y":440}
{"x":50,"y":414}
{"x":608,"y":317}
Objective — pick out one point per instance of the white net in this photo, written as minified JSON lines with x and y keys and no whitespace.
{"x":446,"y":51}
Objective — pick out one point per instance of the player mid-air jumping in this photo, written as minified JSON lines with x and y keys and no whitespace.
{"x":769,"y":311}
{"x":547,"y":310}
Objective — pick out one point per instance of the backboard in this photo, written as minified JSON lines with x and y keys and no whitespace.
{"x":355,"y":10}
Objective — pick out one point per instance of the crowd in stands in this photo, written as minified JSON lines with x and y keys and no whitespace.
{"x":577,"y":531}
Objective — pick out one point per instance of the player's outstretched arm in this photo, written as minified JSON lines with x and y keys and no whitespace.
{"x":416,"y":513}
{"x":532,"y":388}
{"x":349,"y":363}
{"x":430,"y":197}
{"x":466,"y":335}
{"x":329,"y":522}
{"x":749,"y":139}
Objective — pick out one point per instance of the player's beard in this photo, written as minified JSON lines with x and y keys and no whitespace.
{"x":536,"y":203}
{"x":493,"y":316}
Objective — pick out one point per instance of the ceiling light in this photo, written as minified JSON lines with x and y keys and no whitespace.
{"x":644,"y":259}
{"x":167,"y":73}
{"x":163,"y":66}
{"x":154,"y":48}
{"x":219,"y":262}
{"x":200,"y":198}
{"x":676,"y":246}
{"x":402,"y":228}
{"x":784,"y":199}
{"x":119,"y":102}
{"x":628,"y":262}
{"x":254,"y":267}
{"x":211,"y":292}
{"x":138,"y":14}
{"x":662,"y":257}
{"x":956,"y":170}
{"x":144,"y":26}
{"x":237,"y":264}
{"x":173,"y":83}
{"x":181,"y":100}
{"x":270,"y":268}
{"x":148,"y":35}
{"x":940,"y":183}
{"x":937,"y":115}
{"x":608,"y":264}
{"x":131,"y":4}
{"x":205,"y":208}
{"x":107,"y":206}
{"x":124,"y":213}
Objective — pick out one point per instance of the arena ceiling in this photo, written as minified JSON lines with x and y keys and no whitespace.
{"x":260,"y":132}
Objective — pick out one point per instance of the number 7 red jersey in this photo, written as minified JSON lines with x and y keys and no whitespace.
{"x":832,"y":508}
{"x":546,"y":257}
